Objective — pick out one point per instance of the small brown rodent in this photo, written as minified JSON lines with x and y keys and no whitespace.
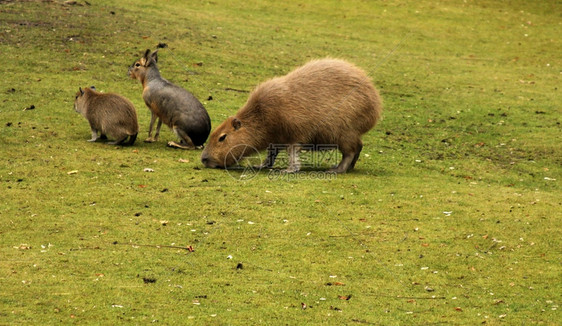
{"x":109,"y":114}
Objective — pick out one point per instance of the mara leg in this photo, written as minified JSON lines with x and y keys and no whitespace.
{"x":157,"y":134}
{"x":185,"y":140}
{"x":151,"y":139}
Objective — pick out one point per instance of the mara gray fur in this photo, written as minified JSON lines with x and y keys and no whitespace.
{"x":171,"y":104}
{"x":109,"y":115}
{"x":327,"y":101}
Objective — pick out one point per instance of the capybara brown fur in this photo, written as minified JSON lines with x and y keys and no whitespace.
{"x":327,"y":101}
{"x":109,"y":115}
{"x":171,"y":104}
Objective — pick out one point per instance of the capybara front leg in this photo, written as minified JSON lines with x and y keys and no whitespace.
{"x":269,"y":161}
{"x":294,"y":162}
{"x":94,"y":135}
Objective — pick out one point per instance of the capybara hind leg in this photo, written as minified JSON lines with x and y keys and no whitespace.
{"x":345,"y":163}
{"x":131,"y":141}
{"x":119,"y":141}
{"x":350,"y":154}
{"x":356,"y":157}
{"x":294,"y":161}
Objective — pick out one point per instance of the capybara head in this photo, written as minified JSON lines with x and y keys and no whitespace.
{"x":138,"y":69}
{"x":228,"y":144}
{"x":80,"y":104}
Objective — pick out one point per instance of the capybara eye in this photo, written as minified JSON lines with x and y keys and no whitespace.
{"x":222,"y":137}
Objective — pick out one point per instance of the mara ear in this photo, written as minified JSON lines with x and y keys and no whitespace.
{"x":154,"y":56}
{"x":236,"y":124}
{"x":81,"y":91}
{"x":145,"y":60}
{"x":146,"y":54}
{"x":93,"y":87}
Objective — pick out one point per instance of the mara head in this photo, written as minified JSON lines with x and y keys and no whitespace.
{"x":138,"y":69}
{"x":228,"y":144}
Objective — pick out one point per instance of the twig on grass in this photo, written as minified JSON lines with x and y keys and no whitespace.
{"x":236,"y":90}
{"x":188,"y":248}
{"x":403,"y":297}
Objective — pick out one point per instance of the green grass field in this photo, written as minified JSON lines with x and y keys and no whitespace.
{"x":452,"y":215}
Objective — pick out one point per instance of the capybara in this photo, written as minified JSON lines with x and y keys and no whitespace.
{"x":327,"y":101}
{"x":109,"y":114}
{"x":171,"y":104}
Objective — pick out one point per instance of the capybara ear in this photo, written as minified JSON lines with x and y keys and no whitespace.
{"x":236,"y":124}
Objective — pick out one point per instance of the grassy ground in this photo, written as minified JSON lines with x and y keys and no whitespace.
{"x":451,"y":216}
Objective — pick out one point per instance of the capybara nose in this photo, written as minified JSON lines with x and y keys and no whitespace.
{"x":204,"y":159}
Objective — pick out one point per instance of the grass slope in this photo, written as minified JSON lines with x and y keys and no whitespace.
{"x":452,"y":215}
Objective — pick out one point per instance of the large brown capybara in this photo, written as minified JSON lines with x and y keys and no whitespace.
{"x":324,"y":102}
